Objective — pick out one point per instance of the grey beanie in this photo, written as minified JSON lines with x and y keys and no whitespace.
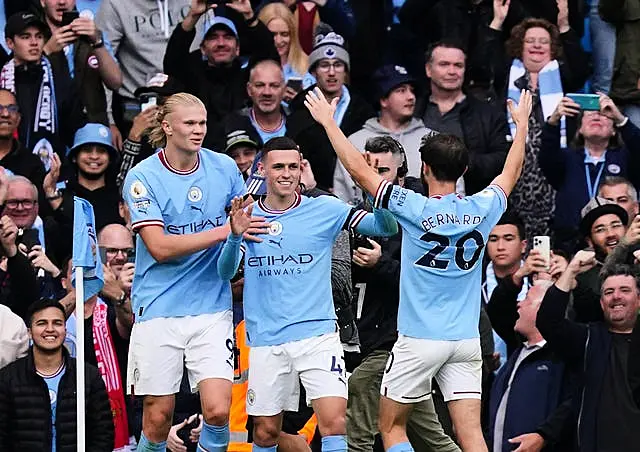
{"x":328,"y":46}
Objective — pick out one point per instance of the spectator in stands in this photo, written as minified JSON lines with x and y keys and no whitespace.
{"x":13,"y":156}
{"x":242,"y":148}
{"x":214,"y":73}
{"x":396,"y":93}
{"x":139,"y":31}
{"x":598,"y":351}
{"x":38,"y":392}
{"x":619,"y":190}
{"x":603,"y":48}
{"x":548,"y":60}
{"x":14,"y":338}
{"x":295,"y":62}
{"x":136,"y":147}
{"x":447,"y":109}
{"x":87,"y":53}
{"x":375,"y":274}
{"x":266,"y":116}
{"x":329,"y":64}
{"x":626,"y":64}
{"x":576,"y":172}
{"x":95,"y":161}
{"x":530,"y":401}
{"x":108,"y":320}
{"x":21,"y":205}
{"x":50,"y":107}
{"x":603,"y":226}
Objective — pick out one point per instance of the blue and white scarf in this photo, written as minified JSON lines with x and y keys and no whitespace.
{"x":343,"y":104}
{"x":550,"y":88}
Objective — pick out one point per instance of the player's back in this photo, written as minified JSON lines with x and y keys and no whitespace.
{"x":182,"y":203}
{"x":442,"y":248}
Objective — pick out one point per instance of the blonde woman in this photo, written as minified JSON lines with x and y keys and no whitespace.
{"x":177,"y":199}
{"x":295,"y":63}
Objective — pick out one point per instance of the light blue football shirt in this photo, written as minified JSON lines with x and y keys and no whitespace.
{"x":443,"y":242}
{"x":53,"y":383}
{"x":287,"y":277}
{"x":182,"y":202}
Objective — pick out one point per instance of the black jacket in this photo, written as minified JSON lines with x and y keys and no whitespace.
{"x":18,"y":285}
{"x":25,"y":409}
{"x":585,"y":349}
{"x":221,"y":89}
{"x":485,"y":132}
{"x":312,"y":139}
{"x":542,"y":391}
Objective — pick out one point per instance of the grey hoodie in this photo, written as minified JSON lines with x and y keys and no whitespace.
{"x":139,"y":31}
{"x":343,"y":185}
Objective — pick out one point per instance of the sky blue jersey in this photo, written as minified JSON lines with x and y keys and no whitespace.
{"x":443,"y":244}
{"x":181,"y":202}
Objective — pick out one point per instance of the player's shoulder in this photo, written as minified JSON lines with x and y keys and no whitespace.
{"x":490,"y":191}
{"x":144,"y":171}
{"x":216,"y":158}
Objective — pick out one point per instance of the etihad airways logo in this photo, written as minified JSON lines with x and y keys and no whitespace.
{"x":195,"y":226}
{"x":283,"y":259}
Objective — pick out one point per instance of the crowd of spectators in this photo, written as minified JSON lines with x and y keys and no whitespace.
{"x":81,"y":83}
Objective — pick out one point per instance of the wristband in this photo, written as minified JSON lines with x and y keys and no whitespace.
{"x":252,"y":19}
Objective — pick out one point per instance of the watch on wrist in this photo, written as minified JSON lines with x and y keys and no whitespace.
{"x":122,"y":299}
{"x":99,"y":42}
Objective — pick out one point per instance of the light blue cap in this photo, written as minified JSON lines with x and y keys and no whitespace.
{"x":218,"y":21}
{"x":93,"y":133}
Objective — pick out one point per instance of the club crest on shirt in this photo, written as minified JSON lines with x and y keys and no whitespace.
{"x":275,"y":228}
{"x":195,"y":194}
{"x":138,"y":190}
{"x":251,"y":397}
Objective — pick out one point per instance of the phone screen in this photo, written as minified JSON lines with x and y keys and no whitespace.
{"x":68,"y":17}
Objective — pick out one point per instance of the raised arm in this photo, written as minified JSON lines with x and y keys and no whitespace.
{"x":351,"y":158}
{"x":240,"y":222}
{"x":515,"y":159}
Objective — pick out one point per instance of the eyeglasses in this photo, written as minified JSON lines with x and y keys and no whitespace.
{"x":541,"y":41}
{"x":613,"y":226}
{"x":113,"y":252}
{"x":325,"y":66}
{"x":11,"y":109}
{"x":25,"y":203}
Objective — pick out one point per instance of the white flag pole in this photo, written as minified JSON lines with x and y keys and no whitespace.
{"x":80,"y":424}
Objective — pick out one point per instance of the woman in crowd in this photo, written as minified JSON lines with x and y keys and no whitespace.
{"x":548,"y":60}
{"x":295,"y":62}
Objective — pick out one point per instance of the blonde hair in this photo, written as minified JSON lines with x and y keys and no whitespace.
{"x":297,"y":59}
{"x":157,"y":136}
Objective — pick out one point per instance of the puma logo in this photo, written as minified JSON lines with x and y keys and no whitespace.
{"x":199,"y":209}
{"x":279,"y":242}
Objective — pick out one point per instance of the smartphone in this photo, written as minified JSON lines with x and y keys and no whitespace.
{"x":295,"y":83}
{"x":29,"y":238}
{"x":148,"y":100}
{"x":587,"y":102}
{"x":131,"y":257}
{"x":68,"y":17}
{"x":360,"y":241}
{"x":184,"y":432}
{"x":542,"y":243}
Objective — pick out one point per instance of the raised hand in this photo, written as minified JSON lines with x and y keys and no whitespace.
{"x":563,"y":15}
{"x":566,"y":107}
{"x":243,"y":7}
{"x":609,"y":109}
{"x":321,"y":110}
{"x":8,"y":235}
{"x":520,"y":114}
{"x":583,"y":261}
{"x":500,"y":11}
{"x":59,"y":39}
{"x":51,"y":179}
{"x":239,"y":218}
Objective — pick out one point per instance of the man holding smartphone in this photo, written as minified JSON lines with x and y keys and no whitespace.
{"x":76,"y":41}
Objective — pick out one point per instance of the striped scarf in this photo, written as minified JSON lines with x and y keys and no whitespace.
{"x":550,"y":87}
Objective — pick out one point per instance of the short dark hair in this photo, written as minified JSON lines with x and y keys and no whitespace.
{"x":446,"y":155}
{"x":447,"y":44}
{"x":619,"y":270}
{"x":41,"y":305}
{"x":512,"y":217}
{"x":279,"y":144}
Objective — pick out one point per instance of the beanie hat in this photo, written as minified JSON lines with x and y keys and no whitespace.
{"x":328,"y":46}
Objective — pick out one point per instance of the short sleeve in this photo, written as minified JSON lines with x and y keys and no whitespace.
{"x":143,"y":206}
{"x":401,"y":202}
{"x":338,"y":212}
{"x":491,"y":202}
